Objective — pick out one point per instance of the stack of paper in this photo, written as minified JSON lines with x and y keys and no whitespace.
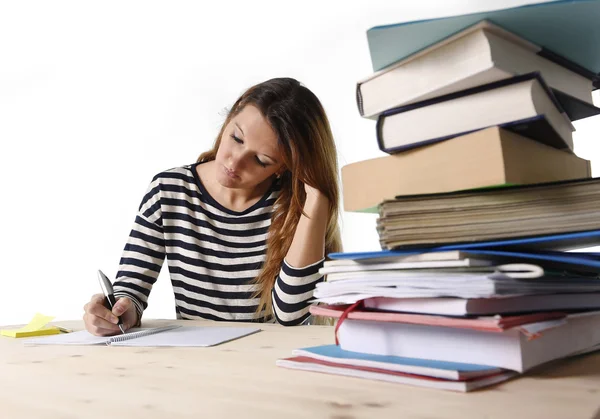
{"x":492,"y":214}
{"x":460,"y":309}
{"x":354,"y":286}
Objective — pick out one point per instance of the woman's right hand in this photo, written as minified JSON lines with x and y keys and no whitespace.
{"x":100,"y":321}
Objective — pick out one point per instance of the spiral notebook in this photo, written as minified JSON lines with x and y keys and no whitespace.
{"x":158,"y":336}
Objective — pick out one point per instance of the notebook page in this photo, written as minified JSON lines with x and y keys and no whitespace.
{"x":84,"y":337}
{"x":191,"y":336}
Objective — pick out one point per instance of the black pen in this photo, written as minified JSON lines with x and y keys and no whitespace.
{"x":109,"y":293}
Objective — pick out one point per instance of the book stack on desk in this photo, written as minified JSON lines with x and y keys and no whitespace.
{"x":454,"y":319}
{"x":480,"y":102}
{"x":478,"y":202}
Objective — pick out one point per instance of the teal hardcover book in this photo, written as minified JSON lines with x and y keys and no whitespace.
{"x":566,"y":32}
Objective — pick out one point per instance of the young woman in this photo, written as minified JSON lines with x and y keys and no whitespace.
{"x":246,"y":228}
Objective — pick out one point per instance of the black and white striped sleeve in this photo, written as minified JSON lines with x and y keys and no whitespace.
{"x":293,"y":289}
{"x":144,"y":252}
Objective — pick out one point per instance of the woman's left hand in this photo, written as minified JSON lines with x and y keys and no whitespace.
{"x":310,"y":191}
{"x":313,"y":195}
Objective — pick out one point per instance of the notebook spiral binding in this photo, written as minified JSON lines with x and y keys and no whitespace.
{"x":139,"y":334}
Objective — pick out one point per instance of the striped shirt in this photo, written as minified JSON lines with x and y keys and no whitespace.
{"x":213,"y":254}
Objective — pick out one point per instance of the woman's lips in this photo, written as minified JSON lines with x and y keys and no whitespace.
{"x":230,"y":173}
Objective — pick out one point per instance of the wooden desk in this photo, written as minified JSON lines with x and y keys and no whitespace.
{"x":240,"y":379}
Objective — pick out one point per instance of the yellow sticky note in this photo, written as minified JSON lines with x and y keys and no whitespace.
{"x":36,"y":327}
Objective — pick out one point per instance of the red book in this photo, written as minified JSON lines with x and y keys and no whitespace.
{"x":317,"y":365}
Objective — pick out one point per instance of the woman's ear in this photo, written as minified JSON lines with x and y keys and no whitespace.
{"x":280,"y":172}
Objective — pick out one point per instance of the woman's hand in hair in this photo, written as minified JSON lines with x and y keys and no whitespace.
{"x":313,"y":195}
{"x":308,"y":244}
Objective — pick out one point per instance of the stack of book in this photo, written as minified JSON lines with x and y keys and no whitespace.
{"x":547,"y":215}
{"x":454,"y":319}
{"x":478,"y":200}
{"x":479,"y":108}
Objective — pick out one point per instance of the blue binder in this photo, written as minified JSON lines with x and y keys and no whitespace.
{"x":538,"y":249}
{"x":566,"y":31}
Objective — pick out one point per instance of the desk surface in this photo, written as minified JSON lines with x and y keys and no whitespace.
{"x":240,"y":379}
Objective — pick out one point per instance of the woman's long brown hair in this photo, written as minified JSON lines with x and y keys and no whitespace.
{"x":309,"y":154}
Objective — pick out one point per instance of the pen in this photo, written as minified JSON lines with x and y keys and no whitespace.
{"x":108,"y":292}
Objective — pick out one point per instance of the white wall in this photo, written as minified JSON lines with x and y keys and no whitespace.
{"x":97,"y":97}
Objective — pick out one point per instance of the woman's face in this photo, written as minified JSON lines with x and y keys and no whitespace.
{"x":248,"y":153}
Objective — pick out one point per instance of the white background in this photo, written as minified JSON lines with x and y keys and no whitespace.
{"x":97,"y":97}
